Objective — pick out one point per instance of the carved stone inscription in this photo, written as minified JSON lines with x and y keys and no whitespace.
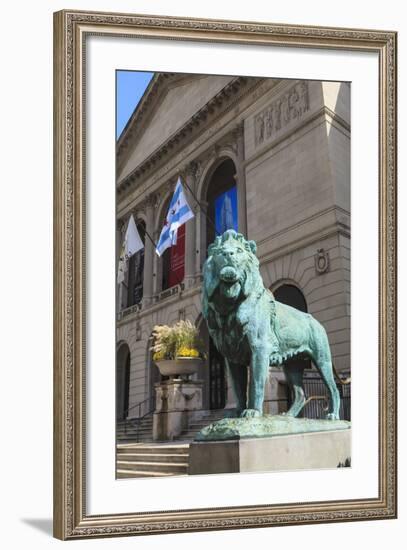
{"x":291,"y":106}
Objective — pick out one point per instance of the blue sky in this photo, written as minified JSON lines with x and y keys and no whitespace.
{"x":130,"y":86}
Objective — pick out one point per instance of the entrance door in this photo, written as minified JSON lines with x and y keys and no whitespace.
{"x":122,"y":380}
{"x":217,"y":381}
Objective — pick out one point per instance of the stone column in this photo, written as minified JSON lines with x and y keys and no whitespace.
{"x":241,"y":178}
{"x":148,"y":253}
{"x":122,"y":287}
{"x":157,"y":275}
{"x":190,"y":227}
{"x":201,"y":244}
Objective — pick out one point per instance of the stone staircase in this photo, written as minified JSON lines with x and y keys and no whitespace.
{"x":146,"y":458}
{"x":152,"y":459}
{"x":130,"y":433}
{"x":144,"y":433}
{"x":197,"y":425}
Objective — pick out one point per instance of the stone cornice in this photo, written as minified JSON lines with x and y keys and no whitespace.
{"x":193,"y":127}
{"x":193,"y":167}
{"x":160,"y":84}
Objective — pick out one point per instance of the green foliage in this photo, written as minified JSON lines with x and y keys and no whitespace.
{"x":179,"y":340}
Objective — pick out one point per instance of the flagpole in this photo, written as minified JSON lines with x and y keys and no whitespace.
{"x":201,"y":207}
{"x":151,"y":239}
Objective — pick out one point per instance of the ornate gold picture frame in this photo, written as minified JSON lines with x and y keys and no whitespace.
{"x":71,"y":517}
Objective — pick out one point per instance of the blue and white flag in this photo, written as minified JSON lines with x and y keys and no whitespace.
{"x":179,"y":213}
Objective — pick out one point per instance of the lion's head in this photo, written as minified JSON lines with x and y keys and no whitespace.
{"x":231,"y":271}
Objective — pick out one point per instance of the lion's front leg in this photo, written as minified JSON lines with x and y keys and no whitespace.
{"x":259,"y":367}
{"x":238,"y":374}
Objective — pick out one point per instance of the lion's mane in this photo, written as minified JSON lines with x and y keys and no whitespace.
{"x":251,"y":282}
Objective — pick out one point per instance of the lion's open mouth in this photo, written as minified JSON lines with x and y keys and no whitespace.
{"x":228,"y":274}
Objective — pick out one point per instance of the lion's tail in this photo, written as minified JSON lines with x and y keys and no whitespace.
{"x":342,"y":381}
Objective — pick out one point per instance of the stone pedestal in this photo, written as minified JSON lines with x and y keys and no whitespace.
{"x":176,"y":402}
{"x":305,"y":451}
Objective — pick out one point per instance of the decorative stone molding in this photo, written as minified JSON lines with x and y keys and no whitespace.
{"x":138,"y":332}
{"x":238,"y":130}
{"x":191,"y":169}
{"x":121,"y":224}
{"x":140,"y":113}
{"x":290,"y":106}
{"x":177,"y":289}
{"x":206,"y":116}
{"x":181,"y":314}
{"x":321,"y":261}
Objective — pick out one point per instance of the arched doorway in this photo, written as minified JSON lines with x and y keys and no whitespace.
{"x":221,"y":197}
{"x":122,"y":380}
{"x":292,"y":296}
{"x":213,"y":373}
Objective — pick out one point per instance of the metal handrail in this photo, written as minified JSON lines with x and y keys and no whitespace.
{"x":138,"y":419}
{"x":126,"y":412}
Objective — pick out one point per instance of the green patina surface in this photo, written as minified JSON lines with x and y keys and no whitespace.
{"x":253,"y":330}
{"x":266,"y":426}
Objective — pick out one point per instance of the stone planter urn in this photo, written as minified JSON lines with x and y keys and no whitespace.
{"x":181,"y":366}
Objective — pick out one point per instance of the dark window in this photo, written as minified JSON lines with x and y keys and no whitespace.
{"x":136,"y":270}
{"x":291,"y":296}
{"x":216,"y":378}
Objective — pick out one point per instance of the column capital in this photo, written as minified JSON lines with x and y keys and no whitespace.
{"x":190,"y":170}
{"x":151,"y":200}
{"x":238,"y":130}
{"x":121,"y":224}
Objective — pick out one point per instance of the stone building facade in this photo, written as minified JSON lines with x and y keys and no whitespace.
{"x":283,"y":147}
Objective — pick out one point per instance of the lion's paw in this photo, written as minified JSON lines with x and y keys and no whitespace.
{"x":250,"y":413}
{"x":332,"y":416}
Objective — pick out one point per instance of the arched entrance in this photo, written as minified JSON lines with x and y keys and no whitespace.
{"x":292,"y":296}
{"x":221,"y":197}
{"x":214,"y":373}
{"x":122,"y":380}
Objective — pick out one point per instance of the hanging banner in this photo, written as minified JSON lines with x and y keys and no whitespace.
{"x":177,"y":258}
{"x":226,"y":211}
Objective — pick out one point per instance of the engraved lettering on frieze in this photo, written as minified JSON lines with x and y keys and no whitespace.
{"x":290,"y":107}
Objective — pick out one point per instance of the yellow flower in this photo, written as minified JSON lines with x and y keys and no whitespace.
{"x":187,"y":352}
{"x":158,"y":355}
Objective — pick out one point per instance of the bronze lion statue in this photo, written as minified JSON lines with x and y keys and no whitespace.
{"x":252,"y":329}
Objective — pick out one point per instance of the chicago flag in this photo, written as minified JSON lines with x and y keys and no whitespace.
{"x":179,"y":212}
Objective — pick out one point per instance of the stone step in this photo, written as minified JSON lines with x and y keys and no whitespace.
{"x":124,"y":474}
{"x":142,"y":448}
{"x":134,"y":425}
{"x":135,"y":431}
{"x":166,"y":467}
{"x":133,"y":436}
{"x":153,"y":457}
